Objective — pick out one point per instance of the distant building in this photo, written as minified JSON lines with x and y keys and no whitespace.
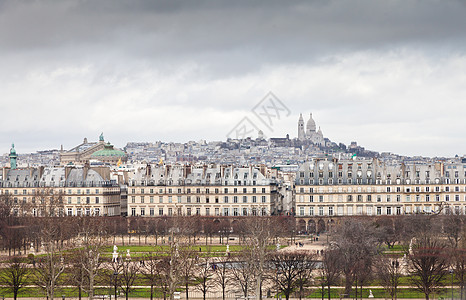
{"x":86,"y":151}
{"x":310,"y":134}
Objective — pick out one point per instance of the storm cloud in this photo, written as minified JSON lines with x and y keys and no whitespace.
{"x":388,"y":74}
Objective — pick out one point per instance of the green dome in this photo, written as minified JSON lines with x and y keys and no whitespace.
{"x":108,"y":151}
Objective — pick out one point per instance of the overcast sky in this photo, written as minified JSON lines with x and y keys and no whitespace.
{"x":390,"y":75}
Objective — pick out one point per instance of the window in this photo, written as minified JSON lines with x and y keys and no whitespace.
{"x":188,"y":211}
{"x":311,"y":198}
{"x":133,"y":199}
{"x":330,"y":210}
{"x":151,"y":199}
{"x":225,"y":211}
{"x":207,"y":211}
{"x":217,"y":211}
{"x":170,"y":199}
{"x":160,"y":199}
{"x":160,"y":211}
{"x":170,"y":211}
{"x":254,"y":199}
{"x":70,"y":212}
{"x":321,"y":210}
{"x":143,"y":211}
{"x":263,"y":199}
{"x":142,"y":199}
{"x":301,"y":211}
{"x":69,"y":200}
{"x":235,"y":199}
{"x":321,"y":198}
{"x":198,"y":211}
{"x":245,"y":199}
{"x":389,"y":210}
{"x":311,"y":211}
{"x":151,"y":211}
{"x":225,"y":199}
{"x":133,"y":211}
{"x":369,"y":198}
{"x":369,"y":210}
{"x":379,"y":210}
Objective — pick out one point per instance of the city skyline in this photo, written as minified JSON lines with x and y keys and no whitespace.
{"x":387,"y":75}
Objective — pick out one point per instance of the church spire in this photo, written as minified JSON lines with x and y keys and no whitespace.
{"x":301,"y":132}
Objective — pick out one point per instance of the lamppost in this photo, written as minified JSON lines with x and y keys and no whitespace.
{"x":395,"y":265}
{"x":451,"y":272}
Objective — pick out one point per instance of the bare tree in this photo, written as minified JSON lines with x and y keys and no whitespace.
{"x":169,"y":270}
{"x":388,"y":272}
{"x":51,"y":265}
{"x":453,"y":227}
{"x":112,"y":275}
{"x":92,"y":233}
{"x":188,"y":261}
{"x":222,"y":278}
{"x":14,"y":276}
{"x":260,"y":234}
{"x":428,"y":264}
{"x":288,"y":268}
{"x":77,"y":276}
{"x":243,"y":271}
{"x":356,"y":242}
{"x":129,"y":273}
{"x":150,"y":271}
{"x":330,"y":270}
{"x":205,"y":272}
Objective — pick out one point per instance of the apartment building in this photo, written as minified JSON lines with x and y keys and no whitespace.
{"x":201,"y":190}
{"x":369,"y":187}
{"x":60,"y":191}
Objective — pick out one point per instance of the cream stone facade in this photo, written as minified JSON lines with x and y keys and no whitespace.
{"x":367,"y":187}
{"x":60,"y":191}
{"x":202,"y":190}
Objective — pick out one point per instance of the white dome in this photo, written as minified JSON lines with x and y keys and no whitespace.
{"x":311,"y":125}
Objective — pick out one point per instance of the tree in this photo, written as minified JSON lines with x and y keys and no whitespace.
{"x":428,"y":264}
{"x":150,"y":271}
{"x":243,"y":272}
{"x":205,"y":273}
{"x":129,"y":273}
{"x":388,"y":272}
{"x":92,"y":231}
{"x":222,"y":278}
{"x":14,"y":276}
{"x":260,"y":234}
{"x":330,"y":270}
{"x":453,"y":227}
{"x":51,"y":265}
{"x":288,"y":268}
{"x":77,"y":276}
{"x":112,"y":275}
{"x":188,"y":261}
{"x":356,"y":242}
